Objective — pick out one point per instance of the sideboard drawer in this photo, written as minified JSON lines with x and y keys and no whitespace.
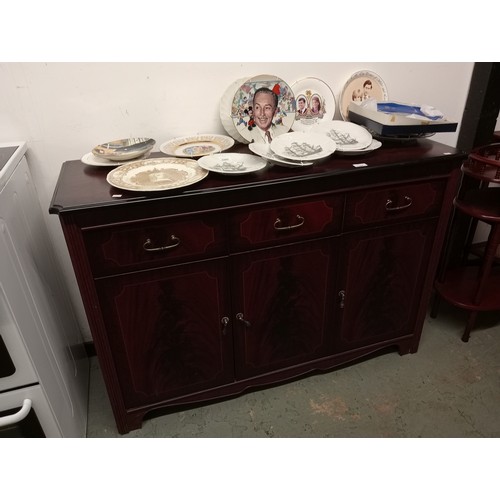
{"x":394,"y":204}
{"x":124,"y":248}
{"x":286,"y":222}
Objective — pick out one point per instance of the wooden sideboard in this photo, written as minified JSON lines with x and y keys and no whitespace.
{"x":264,"y":277}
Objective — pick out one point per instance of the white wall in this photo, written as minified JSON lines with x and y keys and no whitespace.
{"x":64,"y":109}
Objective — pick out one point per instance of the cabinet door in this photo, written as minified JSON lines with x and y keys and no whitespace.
{"x":165,"y":330}
{"x":381,"y":276}
{"x":280,"y":311}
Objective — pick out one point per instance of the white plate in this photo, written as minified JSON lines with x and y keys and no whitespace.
{"x":348,"y":136}
{"x":226,"y":110}
{"x":303,"y":146}
{"x":232,"y":163}
{"x":197,"y":145}
{"x":265,"y":151}
{"x":242,"y":107}
{"x":95,"y":161}
{"x":313,"y":90}
{"x":156,"y":174}
{"x":357,"y":152}
{"x":124,"y":149}
{"x":355,"y":84}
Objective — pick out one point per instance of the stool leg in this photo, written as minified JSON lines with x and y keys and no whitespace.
{"x":471,"y":320}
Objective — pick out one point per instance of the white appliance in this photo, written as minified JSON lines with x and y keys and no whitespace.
{"x":44,"y":369}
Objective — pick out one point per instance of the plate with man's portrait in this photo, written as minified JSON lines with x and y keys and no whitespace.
{"x":263,"y":108}
{"x":361,"y":86}
{"x":315,"y":104}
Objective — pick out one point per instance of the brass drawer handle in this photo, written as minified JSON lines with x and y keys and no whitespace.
{"x":149,"y":248}
{"x":390,"y":208}
{"x":279,"y":227}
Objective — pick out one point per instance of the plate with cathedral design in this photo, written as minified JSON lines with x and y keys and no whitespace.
{"x":303,"y":146}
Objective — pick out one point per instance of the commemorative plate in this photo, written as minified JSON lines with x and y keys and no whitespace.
{"x":265,"y":151}
{"x":315,"y":104}
{"x":197,"y":145}
{"x":227,"y":110}
{"x":306,"y":146}
{"x":252,"y":119}
{"x":124,"y":149}
{"x":347,"y":136}
{"x":232,"y":163}
{"x":361,"y":86}
{"x":156,"y":174}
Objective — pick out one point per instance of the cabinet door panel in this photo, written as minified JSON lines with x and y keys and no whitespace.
{"x":282,"y":294}
{"x":381,"y":279}
{"x":164,"y":329}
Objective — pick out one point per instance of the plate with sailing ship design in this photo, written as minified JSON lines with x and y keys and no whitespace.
{"x":303,"y":146}
{"x":347,"y":135}
{"x":232,"y":163}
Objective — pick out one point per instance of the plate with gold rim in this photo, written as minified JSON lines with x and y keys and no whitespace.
{"x":156,"y":174}
{"x":195,"y":146}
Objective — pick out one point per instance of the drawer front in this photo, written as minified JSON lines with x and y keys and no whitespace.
{"x":285,"y":222}
{"x":137,"y":246}
{"x":394,"y":204}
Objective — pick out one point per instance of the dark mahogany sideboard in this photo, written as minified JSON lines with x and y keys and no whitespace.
{"x":265,"y":276}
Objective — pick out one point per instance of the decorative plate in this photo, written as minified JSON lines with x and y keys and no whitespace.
{"x":232,"y":163}
{"x":197,"y":145}
{"x":315,"y":104}
{"x":124,"y":149}
{"x":249,"y":122}
{"x":226,"y":110}
{"x":265,"y":151}
{"x":361,"y":86}
{"x":348,"y":136}
{"x":356,"y":152}
{"x":156,"y":174}
{"x":303,"y":146}
{"x":95,"y":161}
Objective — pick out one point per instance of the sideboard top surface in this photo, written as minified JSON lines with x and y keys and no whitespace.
{"x":82,"y":186}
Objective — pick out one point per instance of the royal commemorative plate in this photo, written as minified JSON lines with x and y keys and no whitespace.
{"x":124,"y":149}
{"x":303,"y":146}
{"x":263,"y":103}
{"x":265,"y":151}
{"x":156,"y":174}
{"x":357,"y":152}
{"x":347,"y":136}
{"x":197,"y":145}
{"x":361,"y":86}
{"x":315,"y":104}
{"x":232,"y":163}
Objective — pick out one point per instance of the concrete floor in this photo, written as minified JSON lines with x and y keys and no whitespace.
{"x":447,"y":389}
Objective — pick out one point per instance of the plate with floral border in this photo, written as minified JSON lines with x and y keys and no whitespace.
{"x":156,"y":174}
{"x":195,"y":146}
{"x":361,"y":86}
{"x":315,"y":104}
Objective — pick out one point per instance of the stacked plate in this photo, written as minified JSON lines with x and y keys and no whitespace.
{"x":350,"y":139}
{"x":119,"y":152}
{"x":296,"y":149}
